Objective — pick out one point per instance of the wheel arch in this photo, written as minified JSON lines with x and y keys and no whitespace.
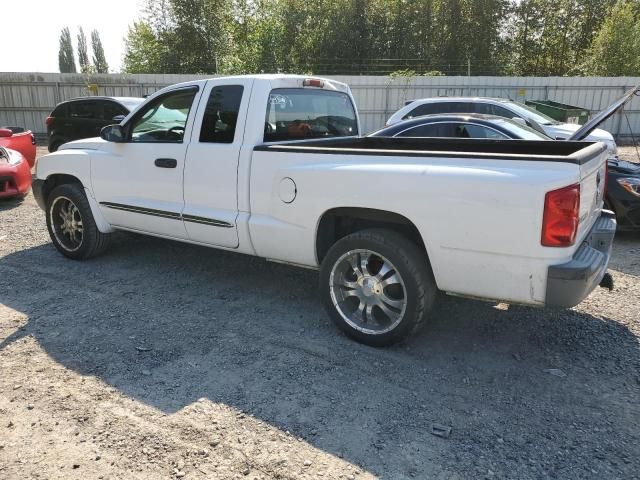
{"x":56,"y":179}
{"x":53,"y":180}
{"x":339,"y":222}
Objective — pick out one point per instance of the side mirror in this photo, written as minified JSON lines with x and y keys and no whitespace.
{"x":113,"y":133}
{"x":118,"y":118}
{"x":5,"y":132}
{"x":520,"y":120}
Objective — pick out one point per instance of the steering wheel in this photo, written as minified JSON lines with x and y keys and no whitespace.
{"x":175,"y":129}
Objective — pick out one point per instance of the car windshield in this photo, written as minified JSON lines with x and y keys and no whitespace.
{"x":528,"y":113}
{"x":519,"y":131}
{"x":162,"y":118}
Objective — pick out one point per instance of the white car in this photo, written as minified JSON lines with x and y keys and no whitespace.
{"x":502,"y":108}
{"x":272,"y":166}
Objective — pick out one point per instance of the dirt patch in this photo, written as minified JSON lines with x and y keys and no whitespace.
{"x":166,"y":360}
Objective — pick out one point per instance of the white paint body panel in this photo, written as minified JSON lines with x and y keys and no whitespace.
{"x":479,"y":217}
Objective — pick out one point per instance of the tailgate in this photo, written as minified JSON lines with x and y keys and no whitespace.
{"x":593,"y":180}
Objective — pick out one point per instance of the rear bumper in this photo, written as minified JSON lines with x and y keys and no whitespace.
{"x":570,"y":283}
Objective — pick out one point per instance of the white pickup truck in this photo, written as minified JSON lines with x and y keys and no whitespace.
{"x":273,"y":166}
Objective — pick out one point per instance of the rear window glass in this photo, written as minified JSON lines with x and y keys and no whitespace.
{"x":60,"y":111}
{"x":299,"y":113}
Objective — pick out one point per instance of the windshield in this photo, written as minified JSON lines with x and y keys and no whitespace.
{"x":161,"y":118}
{"x":529,"y":113}
{"x":302,"y":113}
{"x":519,"y":131}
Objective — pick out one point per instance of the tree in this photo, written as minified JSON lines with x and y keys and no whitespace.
{"x":99,"y":60}
{"x":615,"y":48}
{"x":517,"y":37}
{"x":143,"y":50}
{"x":83,"y":56}
{"x":66,"y":60}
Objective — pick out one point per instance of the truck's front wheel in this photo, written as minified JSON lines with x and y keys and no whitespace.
{"x":377,"y":286}
{"x":71,"y":225}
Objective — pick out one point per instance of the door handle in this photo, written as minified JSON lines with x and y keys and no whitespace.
{"x":166,"y":162}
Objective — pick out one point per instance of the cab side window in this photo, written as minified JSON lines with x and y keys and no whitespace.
{"x":221,"y":114}
{"x":439,"y":129}
{"x":164,"y":119}
{"x":469,"y":130}
{"x":441,"y":107}
{"x":490,"y":109}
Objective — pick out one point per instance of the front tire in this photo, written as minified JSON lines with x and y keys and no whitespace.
{"x":377,"y":286}
{"x":71,"y":225}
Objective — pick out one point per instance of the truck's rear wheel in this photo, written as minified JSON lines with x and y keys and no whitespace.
{"x":377,"y":286}
{"x":70,"y":222}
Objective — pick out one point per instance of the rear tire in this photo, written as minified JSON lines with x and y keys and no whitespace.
{"x":377,"y":286}
{"x":71,"y":225}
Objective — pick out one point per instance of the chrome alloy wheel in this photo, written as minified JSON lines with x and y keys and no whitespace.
{"x":66,"y":223}
{"x":368,"y":291}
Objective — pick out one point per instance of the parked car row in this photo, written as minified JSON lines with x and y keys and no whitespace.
{"x":500,"y":119}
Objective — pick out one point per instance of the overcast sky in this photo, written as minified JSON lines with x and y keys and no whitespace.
{"x":31,"y":29}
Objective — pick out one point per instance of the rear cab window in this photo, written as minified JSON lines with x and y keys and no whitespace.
{"x":304,"y":113}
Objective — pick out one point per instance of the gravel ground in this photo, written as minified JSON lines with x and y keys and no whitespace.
{"x":165,"y":360}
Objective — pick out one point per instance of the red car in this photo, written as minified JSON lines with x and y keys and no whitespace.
{"x":15,"y":174}
{"x":21,"y":140}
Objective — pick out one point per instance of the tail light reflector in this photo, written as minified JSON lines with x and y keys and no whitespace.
{"x":561,"y":217}
{"x":48,"y":121}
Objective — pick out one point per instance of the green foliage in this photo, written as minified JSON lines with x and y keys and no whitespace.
{"x":616,"y":46}
{"x":83,"y":56}
{"x":428,"y":37}
{"x":99,"y":60}
{"x":66,"y":60}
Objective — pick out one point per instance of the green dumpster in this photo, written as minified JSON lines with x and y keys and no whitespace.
{"x":560,"y":111}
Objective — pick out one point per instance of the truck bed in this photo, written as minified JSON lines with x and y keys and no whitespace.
{"x":555,"y":151}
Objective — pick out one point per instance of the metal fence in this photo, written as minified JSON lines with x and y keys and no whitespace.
{"x":27,"y":98}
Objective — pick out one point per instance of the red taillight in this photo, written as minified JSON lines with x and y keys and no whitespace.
{"x":561,"y":217}
{"x":312,"y":82}
{"x":48,"y":121}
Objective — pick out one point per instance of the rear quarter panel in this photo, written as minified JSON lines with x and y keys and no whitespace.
{"x":480,"y":219}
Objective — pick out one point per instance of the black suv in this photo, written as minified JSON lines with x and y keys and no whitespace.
{"x":84,"y":117}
